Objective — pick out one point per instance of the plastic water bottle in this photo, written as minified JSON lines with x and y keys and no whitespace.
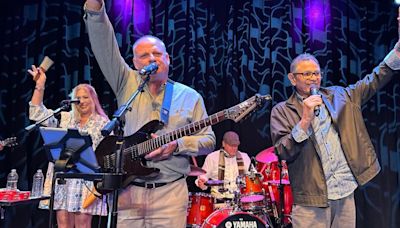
{"x":37,"y":184}
{"x":12,"y":180}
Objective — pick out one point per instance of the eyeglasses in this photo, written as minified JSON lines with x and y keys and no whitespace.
{"x":308,"y":74}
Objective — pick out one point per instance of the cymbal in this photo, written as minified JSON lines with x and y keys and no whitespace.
{"x":196,"y":171}
{"x":266,"y":156}
{"x":214,"y":183}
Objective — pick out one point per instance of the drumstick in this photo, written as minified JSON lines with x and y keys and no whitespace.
{"x":194,"y":161}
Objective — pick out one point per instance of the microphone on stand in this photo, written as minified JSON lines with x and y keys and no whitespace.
{"x":149,"y":69}
{"x":314,"y":91}
{"x":69,"y":102}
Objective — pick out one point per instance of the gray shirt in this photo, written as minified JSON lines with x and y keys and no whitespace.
{"x":187,"y":105}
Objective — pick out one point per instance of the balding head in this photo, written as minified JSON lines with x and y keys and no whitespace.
{"x":151,"y":39}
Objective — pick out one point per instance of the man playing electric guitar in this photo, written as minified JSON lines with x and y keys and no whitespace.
{"x":160,"y":201}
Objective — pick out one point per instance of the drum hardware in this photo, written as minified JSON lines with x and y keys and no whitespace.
{"x":276,"y":185}
{"x":280,"y":218}
{"x":273,"y":202}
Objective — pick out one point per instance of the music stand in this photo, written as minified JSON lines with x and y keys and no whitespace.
{"x":72,"y":152}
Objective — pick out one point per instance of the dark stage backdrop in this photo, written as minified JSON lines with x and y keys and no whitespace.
{"x":227,"y":50}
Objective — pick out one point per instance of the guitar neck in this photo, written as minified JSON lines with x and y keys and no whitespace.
{"x":190,"y":129}
{"x":9,"y":142}
{"x":234,"y":113}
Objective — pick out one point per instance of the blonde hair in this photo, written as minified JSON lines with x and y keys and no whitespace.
{"x":97,"y":107}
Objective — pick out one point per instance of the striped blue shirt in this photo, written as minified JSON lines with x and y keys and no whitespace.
{"x":338,"y":176}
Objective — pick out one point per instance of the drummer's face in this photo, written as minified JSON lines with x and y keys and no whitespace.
{"x":230,"y":149}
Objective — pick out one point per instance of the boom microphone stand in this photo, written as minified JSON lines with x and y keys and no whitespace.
{"x":117,"y":125}
{"x":64,"y":107}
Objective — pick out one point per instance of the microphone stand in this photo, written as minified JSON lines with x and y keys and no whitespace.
{"x":280,"y":221}
{"x":117,"y":124}
{"x":64,"y":107}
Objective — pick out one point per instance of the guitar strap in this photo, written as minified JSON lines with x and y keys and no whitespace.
{"x":166,"y":105}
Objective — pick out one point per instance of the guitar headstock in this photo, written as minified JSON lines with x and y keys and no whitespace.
{"x":239,"y":111}
{"x":9,"y":142}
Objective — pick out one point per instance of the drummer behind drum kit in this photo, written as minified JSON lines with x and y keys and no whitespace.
{"x":257,"y":203}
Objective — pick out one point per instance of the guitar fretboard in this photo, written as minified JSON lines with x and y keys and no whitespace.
{"x":152,"y":144}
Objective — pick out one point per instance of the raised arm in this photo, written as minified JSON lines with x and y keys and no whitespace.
{"x":105,"y":46}
{"x":94,"y":5}
{"x":40,"y":79}
{"x":36,"y":108}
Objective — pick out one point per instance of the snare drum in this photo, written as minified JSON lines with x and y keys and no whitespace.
{"x":226,"y":217}
{"x":199,"y":208}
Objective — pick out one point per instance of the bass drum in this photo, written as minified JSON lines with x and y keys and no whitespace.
{"x":226,"y":218}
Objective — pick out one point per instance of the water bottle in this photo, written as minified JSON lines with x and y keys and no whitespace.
{"x":37,"y":184}
{"x":12,"y":180}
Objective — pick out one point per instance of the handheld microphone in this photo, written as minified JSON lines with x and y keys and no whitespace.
{"x":314,"y":91}
{"x":149,"y":69}
{"x":69,"y":102}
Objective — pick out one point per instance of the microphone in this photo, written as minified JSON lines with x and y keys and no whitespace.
{"x":69,"y":102}
{"x":149,"y":69}
{"x":314,"y":91}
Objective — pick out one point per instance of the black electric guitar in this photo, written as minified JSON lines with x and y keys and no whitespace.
{"x":9,"y":142}
{"x":140,"y":143}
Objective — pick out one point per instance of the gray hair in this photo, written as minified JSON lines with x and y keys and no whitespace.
{"x":300,"y":58}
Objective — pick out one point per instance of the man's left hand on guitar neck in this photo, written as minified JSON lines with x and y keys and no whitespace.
{"x":163,"y":152}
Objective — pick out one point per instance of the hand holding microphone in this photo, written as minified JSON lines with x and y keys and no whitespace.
{"x":314,"y":91}
{"x":311,"y":105}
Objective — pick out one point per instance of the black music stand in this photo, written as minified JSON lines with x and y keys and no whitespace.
{"x":72,"y":153}
{"x":70,"y":150}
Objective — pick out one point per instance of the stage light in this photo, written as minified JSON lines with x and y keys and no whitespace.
{"x":397,"y":2}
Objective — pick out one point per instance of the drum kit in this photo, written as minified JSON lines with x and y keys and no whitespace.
{"x":264,"y":198}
